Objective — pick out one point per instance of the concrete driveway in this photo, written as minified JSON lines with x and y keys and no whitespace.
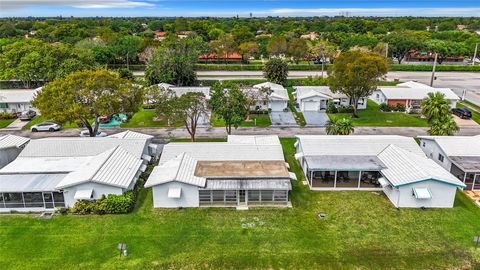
{"x":282,"y":119}
{"x":319,"y":119}
{"x":16,"y":125}
{"x":464,"y":122}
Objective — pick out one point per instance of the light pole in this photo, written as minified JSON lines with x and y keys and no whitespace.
{"x":433,"y":70}
{"x":475,"y":54}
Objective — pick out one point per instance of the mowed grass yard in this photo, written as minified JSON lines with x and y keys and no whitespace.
{"x":5,"y":122}
{"x":373,"y":116}
{"x":362,"y":230}
{"x":258,"y":120}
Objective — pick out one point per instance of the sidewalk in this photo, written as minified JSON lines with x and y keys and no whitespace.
{"x":15,"y":125}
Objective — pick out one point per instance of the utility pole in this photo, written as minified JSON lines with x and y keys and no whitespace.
{"x":386,"y":50}
{"x":433,"y":70}
{"x":475,"y":54}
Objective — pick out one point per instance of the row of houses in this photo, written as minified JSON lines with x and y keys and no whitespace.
{"x":244,"y":171}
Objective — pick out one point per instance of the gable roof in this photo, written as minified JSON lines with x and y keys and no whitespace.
{"x":457,"y":145}
{"x":414,"y":90}
{"x":10,"y":141}
{"x":254,"y":139}
{"x":278,"y":91}
{"x":130,"y":135}
{"x":361,"y":145}
{"x":18,"y":95}
{"x":180,"y":168}
{"x":303,"y":92}
{"x":404,"y":167}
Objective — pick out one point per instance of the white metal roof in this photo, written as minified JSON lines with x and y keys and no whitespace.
{"x":303,"y":92}
{"x":457,"y":145}
{"x":115,"y":167}
{"x":254,"y":139}
{"x":29,"y":182}
{"x":404,"y":167}
{"x":9,"y":141}
{"x":357,"y":145}
{"x":131,"y":135}
{"x":18,"y":95}
{"x":273,"y":86}
{"x":413,"y":84}
{"x":181,"y":169}
{"x":179,"y":91}
{"x":412,"y":91}
{"x":77,"y":147}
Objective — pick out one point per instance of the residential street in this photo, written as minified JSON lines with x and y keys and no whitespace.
{"x":216,"y":132}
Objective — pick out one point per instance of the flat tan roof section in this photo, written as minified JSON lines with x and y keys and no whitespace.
{"x":241,"y":169}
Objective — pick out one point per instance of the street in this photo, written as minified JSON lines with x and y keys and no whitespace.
{"x":218,"y":132}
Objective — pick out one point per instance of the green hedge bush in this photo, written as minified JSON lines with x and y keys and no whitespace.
{"x":7,"y":115}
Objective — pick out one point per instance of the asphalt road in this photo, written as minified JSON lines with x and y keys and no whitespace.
{"x":218,"y":132}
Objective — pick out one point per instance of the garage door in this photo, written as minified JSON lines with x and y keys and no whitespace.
{"x":277,"y":106}
{"x":311,"y":105}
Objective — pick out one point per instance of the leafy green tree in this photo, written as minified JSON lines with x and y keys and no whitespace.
{"x":445,"y":48}
{"x":356,"y":74}
{"x":276,"y":71}
{"x":277,"y":45}
{"x":224,"y":46}
{"x":339,"y":126}
{"x":86,"y":95}
{"x":435,"y":106}
{"x":242,"y":34}
{"x":248,"y":49}
{"x":228,"y":102}
{"x":215,"y":33}
{"x":400,"y":43}
{"x":297,"y":48}
{"x":174,"y":63}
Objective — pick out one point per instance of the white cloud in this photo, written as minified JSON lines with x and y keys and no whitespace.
{"x":21,"y":4}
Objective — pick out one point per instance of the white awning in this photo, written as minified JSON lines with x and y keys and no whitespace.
{"x":292,"y":176}
{"x":336,"y":100}
{"x":287,"y":165}
{"x":422,"y":193}
{"x":146,"y":157}
{"x":143,"y":168}
{"x":383,"y":182}
{"x":83,"y":194}
{"x":174,"y":193}
{"x":295,"y":144}
{"x":153,"y":146}
{"x":298,"y":155}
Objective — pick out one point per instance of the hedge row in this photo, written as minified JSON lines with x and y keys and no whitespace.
{"x":438,"y":68}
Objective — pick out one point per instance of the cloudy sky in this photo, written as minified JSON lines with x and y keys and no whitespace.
{"x":225,"y":8}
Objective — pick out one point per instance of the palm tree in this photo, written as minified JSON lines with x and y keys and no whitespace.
{"x":443,"y":127}
{"x":435,"y":106}
{"x":338,"y":126}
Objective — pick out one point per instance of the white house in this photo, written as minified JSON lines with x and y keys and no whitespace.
{"x":278,"y":99}
{"x":17,"y":100}
{"x":10,"y":148}
{"x":181,"y":90}
{"x":410,"y":94}
{"x":460,"y":155}
{"x":393,"y":164}
{"x":57,"y":172}
{"x":244,"y":171}
{"x":316,"y":98}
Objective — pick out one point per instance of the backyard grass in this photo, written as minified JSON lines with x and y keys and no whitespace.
{"x":5,"y":122}
{"x":257,"y":120}
{"x":145,"y":118}
{"x":291,"y":105}
{"x":39,"y":119}
{"x":373,"y":116}
{"x":362,"y":230}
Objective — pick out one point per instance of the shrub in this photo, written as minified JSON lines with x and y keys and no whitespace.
{"x":126,"y":74}
{"x":276,"y":71}
{"x":345,"y":109}
{"x":400,"y":107}
{"x":7,"y":115}
{"x":314,"y":81}
{"x":331,"y":108}
{"x":119,"y":204}
{"x":385,"y":108}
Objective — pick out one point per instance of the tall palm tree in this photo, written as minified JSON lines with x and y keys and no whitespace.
{"x":443,"y":127}
{"x":337,"y":126}
{"x":435,"y":106}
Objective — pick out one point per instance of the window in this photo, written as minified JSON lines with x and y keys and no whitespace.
{"x":347,"y":178}
{"x":3,"y":105}
{"x":218,"y":196}
{"x":440,"y":157}
{"x":230,"y":196}
{"x":33,"y":199}
{"x":378,"y":96}
{"x":280,"y":195}
{"x":267,"y":195}
{"x":369,"y":179}
{"x":58,"y":199}
{"x":13,"y":200}
{"x":205,"y":196}
{"x":253,"y":196}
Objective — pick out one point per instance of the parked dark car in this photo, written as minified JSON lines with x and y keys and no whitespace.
{"x":463,"y":113}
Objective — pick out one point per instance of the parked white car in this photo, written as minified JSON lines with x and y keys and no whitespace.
{"x":45,"y":126}
{"x":86,"y":133}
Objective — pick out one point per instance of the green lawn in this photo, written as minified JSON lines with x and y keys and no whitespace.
{"x":475,"y":115}
{"x":262,"y":120}
{"x":5,"y":122}
{"x":362,"y":230}
{"x":39,"y":119}
{"x":372,"y":116}
{"x":145,"y":118}
{"x":298,"y":115}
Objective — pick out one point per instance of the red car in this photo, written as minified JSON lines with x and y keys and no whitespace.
{"x":104,"y":119}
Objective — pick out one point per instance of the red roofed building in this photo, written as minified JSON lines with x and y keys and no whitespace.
{"x":160,"y":35}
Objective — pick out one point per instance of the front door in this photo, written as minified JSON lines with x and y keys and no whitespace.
{"x":48,"y":199}
{"x":241,"y":197}
{"x":476,"y":182}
